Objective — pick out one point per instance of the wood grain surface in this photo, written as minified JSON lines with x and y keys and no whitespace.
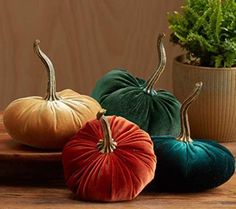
{"x":58,"y":197}
{"x":83,"y":38}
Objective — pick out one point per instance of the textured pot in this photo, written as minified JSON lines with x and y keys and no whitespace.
{"x":213,"y":115}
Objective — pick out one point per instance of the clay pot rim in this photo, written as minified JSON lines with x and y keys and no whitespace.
{"x":179,"y":58}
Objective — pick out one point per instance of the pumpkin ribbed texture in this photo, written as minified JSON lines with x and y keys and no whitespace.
{"x":48,"y":122}
{"x":191,"y":166}
{"x":122,"y":94}
{"x":39,"y":123}
{"x":116,"y":176}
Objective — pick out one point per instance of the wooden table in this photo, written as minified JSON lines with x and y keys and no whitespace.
{"x":49,"y":192}
{"x":58,"y":197}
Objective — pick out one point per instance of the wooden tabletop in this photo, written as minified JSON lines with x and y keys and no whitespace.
{"x":38,"y":189}
{"x":58,"y":197}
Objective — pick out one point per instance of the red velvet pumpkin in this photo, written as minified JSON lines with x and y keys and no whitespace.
{"x":109,"y":159}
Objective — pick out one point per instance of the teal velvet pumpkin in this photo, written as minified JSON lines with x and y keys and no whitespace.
{"x":190,"y":166}
{"x":186,"y":165}
{"x":135,"y":99}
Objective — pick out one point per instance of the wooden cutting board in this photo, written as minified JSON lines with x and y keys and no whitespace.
{"x":19,"y":162}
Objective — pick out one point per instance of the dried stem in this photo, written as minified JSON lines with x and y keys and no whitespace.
{"x":185,"y":129}
{"x":51,"y":89}
{"x":106,"y":145}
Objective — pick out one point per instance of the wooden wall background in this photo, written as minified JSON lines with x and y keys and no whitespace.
{"x":83,"y":38}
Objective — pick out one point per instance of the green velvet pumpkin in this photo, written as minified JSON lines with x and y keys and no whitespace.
{"x":135,"y":99}
{"x":186,"y":165}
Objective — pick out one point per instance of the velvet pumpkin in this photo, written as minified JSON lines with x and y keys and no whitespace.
{"x":186,"y":165}
{"x":109,"y":159}
{"x":48,"y":122}
{"x":135,"y":99}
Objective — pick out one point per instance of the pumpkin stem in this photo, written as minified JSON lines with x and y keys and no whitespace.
{"x":162,"y":63}
{"x":185,"y":129}
{"x":106,"y":145}
{"x":51,"y":89}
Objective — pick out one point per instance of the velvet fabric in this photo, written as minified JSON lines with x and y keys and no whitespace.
{"x":156,"y":112}
{"x":116,"y":176}
{"x":190,"y":166}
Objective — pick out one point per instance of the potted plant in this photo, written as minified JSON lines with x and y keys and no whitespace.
{"x":206,"y":29}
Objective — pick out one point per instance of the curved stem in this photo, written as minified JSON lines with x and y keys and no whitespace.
{"x":162,"y":63}
{"x":185,"y":129}
{"x":107,"y":144}
{"x":51,"y":89}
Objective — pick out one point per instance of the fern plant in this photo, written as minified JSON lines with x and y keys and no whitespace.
{"x":207,"y":30}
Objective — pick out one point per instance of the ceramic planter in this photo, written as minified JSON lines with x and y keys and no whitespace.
{"x":213,"y":115}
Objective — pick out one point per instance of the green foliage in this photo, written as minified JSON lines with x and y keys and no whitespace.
{"x":207,"y":30}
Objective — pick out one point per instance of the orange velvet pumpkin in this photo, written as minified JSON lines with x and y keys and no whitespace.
{"x":109,"y":159}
